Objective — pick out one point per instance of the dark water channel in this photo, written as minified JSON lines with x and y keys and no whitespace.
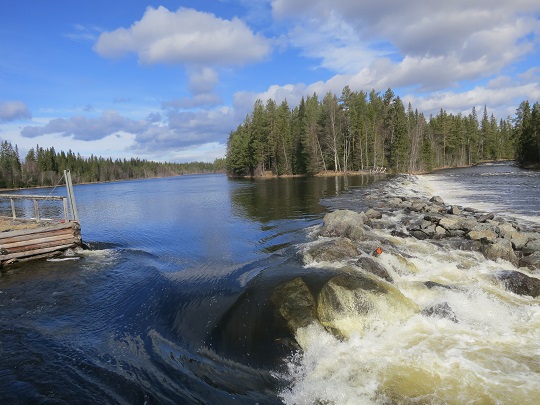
{"x":171,"y":304}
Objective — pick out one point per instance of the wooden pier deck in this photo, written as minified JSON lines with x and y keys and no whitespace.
{"x":26,"y":236}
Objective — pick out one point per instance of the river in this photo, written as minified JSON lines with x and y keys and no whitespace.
{"x":172,"y":303}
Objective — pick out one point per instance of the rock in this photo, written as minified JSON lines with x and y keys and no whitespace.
{"x":486,"y":217}
{"x":373,"y":214}
{"x":442,"y":310}
{"x":373,"y":267}
{"x":436,"y":199}
{"x":484,"y":235}
{"x":531,"y":247}
{"x":450,"y":222}
{"x":468,"y":224}
{"x":295,"y":303}
{"x":349,"y":302}
{"x":433,"y":284}
{"x":418,"y":234}
{"x":331,"y":251}
{"x":454,"y":210}
{"x":520,"y":283}
{"x":531,"y":261}
{"x":344,"y":223}
{"x":417,"y":206}
{"x":501,"y":249}
{"x":439,"y":230}
{"x":433,"y":217}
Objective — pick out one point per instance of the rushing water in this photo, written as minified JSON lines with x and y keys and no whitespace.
{"x":172,"y":304}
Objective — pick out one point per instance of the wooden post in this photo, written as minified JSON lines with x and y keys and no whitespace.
{"x":66,"y":214}
{"x":13,"y":208}
{"x":36,"y":210}
{"x":71,"y":195}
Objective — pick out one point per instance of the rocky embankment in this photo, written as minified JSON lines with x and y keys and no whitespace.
{"x":354,"y":240}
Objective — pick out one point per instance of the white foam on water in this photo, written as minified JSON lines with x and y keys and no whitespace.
{"x":490,"y":355}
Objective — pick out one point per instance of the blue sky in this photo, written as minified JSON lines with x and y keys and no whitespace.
{"x":169,"y":80}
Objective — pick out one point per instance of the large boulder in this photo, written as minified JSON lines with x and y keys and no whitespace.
{"x":520,"y":283}
{"x":531,"y":247}
{"x":295,"y":303}
{"x":501,"y":249}
{"x":442,"y":310}
{"x":531,"y":261}
{"x":351,"y":302}
{"x":485,"y":235}
{"x":344,"y":223}
{"x":331,"y":251}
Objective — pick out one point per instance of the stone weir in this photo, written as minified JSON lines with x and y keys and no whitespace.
{"x":355,"y":240}
{"x":432,"y":220}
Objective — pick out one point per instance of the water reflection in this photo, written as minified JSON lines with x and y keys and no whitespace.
{"x":267,"y":200}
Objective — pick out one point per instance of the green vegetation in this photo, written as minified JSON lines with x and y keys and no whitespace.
{"x":359,"y":131}
{"x":527,"y":133}
{"x":45,"y":167}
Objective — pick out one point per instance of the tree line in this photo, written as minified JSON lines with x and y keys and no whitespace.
{"x":360,"y":131}
{"x":45,"y":167}
{"x":527,"y":133}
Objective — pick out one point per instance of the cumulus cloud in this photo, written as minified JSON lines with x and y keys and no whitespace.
{"x":435,"y":44}
{"x":13,"y":110}
{"x":186,"y":36}
{"x":87,"y":129}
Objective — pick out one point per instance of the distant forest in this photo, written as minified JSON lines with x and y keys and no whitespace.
{"x":45,"y":167}
{"x":359,"y":131}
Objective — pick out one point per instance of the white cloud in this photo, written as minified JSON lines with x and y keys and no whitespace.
{"x":13,"y":110}
{"x":187,"y":37}
{"x":431,"y":44}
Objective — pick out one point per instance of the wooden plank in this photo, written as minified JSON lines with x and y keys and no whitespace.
{"x":36,"y":252}
{"x":48,"y":239}
{"x":31,"y":197}
{"x":9,"y":234}
{"x":37,"y":235}
{"x":34,"y":246}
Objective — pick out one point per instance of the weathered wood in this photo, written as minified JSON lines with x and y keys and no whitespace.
{"x":37,"y":251}
{"x":37,"y":246}
{"x":31,"y":197}
{"x":46,"y":240}
{"x":37,"y":235}
{"x":9,"y":234}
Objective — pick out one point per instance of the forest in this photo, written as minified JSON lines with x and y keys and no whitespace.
{"x":361,"y":131}
{"x":45,"y":167}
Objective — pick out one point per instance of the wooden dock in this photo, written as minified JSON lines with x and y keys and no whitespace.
{"x":24,"y":238}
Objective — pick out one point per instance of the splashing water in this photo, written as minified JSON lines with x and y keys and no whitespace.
{"x":487,"y":352}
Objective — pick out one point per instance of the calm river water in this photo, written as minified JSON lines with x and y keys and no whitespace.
{"x":172,"y":303}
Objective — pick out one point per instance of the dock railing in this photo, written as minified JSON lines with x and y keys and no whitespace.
{"x":69,"y":209}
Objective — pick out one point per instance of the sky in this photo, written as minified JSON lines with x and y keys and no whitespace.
{"x":169,"y":80}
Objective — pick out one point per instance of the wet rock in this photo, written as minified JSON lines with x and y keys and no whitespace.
{"x":399,"y":234}
{"x":442,"y":310}
{"x":373,"y":267}
{"x":450,"y":222}
{"x":344,"y":223}
{"x":486,"y":217}
{"x":417,"y":206}
{"x":501,"y":249}
{"x":418,"y":234}
{"x":468,"y":224}
{"x":520,"y":283}
{"x":436,"y":199}
{"x":295,"y":303}
{"x":331,"y":251}
{"x":373,"y":214}
{"x":349,"y":302}
{"x":433,"y":284}
{"x":531,"y":261}
{"x":454,"y":210}
{"x":485,"y":235}
{"x":531,"y":247}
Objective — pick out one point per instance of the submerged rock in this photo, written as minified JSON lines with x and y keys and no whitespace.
{"x":520,"y":283}
{"x":373,"y":267}
{"x":442,"y":310}
{"x":350,"y":302}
